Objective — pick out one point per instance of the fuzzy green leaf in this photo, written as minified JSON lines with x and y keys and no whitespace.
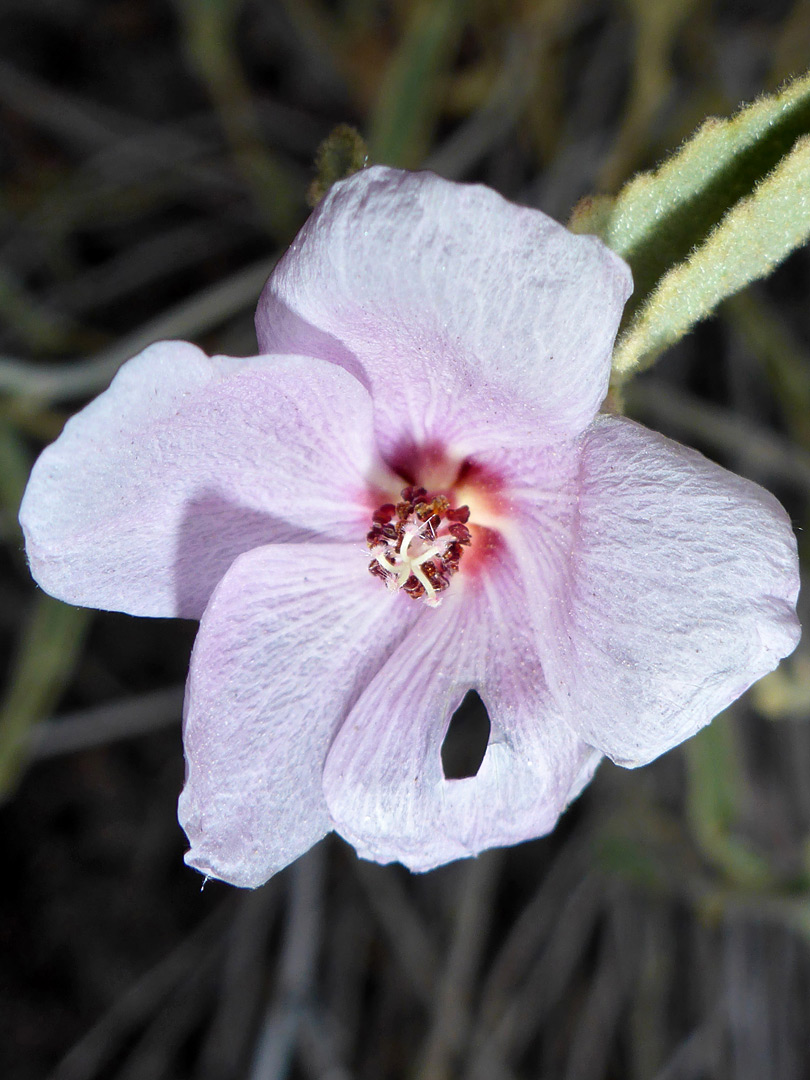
{"x":660,"y":217}
{"x":752,"y":238}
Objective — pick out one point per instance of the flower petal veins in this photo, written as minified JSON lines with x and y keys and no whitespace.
{"x":424,"y":406}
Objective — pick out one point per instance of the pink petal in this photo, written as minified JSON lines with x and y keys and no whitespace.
{"x":682,"y":593}
{"x":292,"y":634}
{"x":184,"y":462}
{"x":383,"y":778}
{"x":451,"y":304}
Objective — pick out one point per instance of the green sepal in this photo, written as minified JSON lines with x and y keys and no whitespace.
{"x":593,"y":214}
{"x":341,"y":153}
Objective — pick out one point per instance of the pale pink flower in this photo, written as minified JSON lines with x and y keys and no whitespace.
{"x":608,"y":593}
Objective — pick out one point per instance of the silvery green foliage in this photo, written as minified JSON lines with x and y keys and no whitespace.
{"x":721,"y":212}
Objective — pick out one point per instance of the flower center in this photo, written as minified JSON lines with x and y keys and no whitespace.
{"x":417,"y":544}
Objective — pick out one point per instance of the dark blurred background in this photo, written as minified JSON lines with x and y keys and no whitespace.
{"x":154,"y":161}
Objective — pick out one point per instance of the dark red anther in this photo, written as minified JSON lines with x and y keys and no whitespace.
{"x":436,"y":505}
{"x":452,"y":556}
{"x":385,"y":514}
{"x":437,"y":578}
{"x":441,"y":581}
{"x":461,"y":514}
{"x":435,"y":538}
{"x":414,"y":588}
{"x":461,"y":533}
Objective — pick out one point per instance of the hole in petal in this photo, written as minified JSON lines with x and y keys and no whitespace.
{"x":466,"y":740}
